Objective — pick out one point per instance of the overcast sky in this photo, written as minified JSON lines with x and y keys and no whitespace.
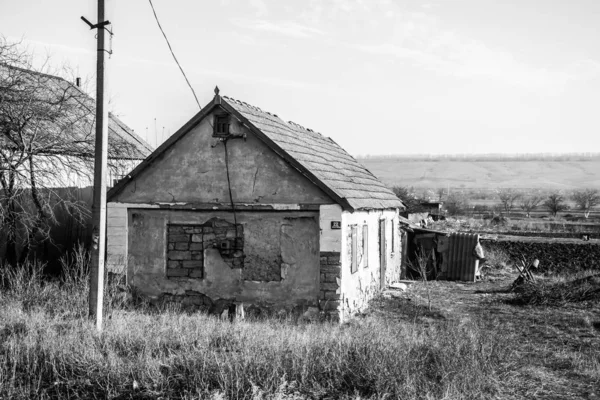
{"x":379,"y":77}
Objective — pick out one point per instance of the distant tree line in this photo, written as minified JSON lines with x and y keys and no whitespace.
{"x":458,"y":202}
{"x":486,"y":157}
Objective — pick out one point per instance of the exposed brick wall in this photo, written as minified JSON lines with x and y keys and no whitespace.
{"x":186,"y":245}
{"x":329,"y":287}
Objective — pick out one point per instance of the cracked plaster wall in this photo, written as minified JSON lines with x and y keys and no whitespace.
{"x":297,"y":235}
{"x":192,"y":171}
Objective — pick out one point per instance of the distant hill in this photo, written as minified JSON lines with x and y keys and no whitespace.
{"x":543,"y":174}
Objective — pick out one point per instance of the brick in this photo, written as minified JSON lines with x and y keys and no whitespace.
{"x":323,"y":261}
{"x":220,"y":231}
{"x":179,"y":255}
{"x":329,"y":305}
{"x":333,"y":260}
{"x":332,"y":296}
{"x":322,"y":277}
{"x":329,"y":253}
{"x":197,"y":255}
{"x":230,"y":234}
{"x":182,"y":246}
{"x":208,"y":229}
{"x":197,"y":273}
{"x":208,"y":236}
{"x":192,"y":264}
{"x":174,"y":229}
{"x":331,"y":277}
{"x":177,"y":272}
{"x":196,"y":246}
{"x":197,"y":238}
{"x":173,"y":264}
{"x":171,"y":246}
{"x":331,"y":269}
{"x":178,"y":238}
{"x":329,"y":286}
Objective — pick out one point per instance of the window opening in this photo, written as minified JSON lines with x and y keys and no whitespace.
{"x":365,"y":245}
{"x":221,"y":125}
{"x":354,"y":264}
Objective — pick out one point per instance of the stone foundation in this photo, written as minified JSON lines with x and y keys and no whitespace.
{"x":330,"y":294}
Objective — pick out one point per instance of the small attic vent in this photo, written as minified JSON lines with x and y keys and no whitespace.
{"x":221,"y":125}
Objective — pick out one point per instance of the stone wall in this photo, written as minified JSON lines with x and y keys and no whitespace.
{"x":186,"y":244}
{"x":329,"y":287}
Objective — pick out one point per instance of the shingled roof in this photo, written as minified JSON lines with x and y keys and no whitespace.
{"x":323,"y":157}
{"x":317,"y":157}
{"x":123,"y":142}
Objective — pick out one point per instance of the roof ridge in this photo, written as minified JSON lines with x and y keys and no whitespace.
{"x":336,"y":169}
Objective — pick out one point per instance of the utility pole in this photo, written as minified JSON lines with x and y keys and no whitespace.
{"x":96,"y":296}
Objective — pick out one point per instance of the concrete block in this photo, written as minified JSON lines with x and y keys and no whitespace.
{"x":174,"y":230}
{"x":173,"y":264}
{"x":177,"y":272}
{"x":192,"y":264}
{"x":230,"y":234}
{"x":198,"y":274}
{"x":329,"y":305}
{"x":197,"y":238}
{"x":179,"y":255}
{"x":329,"y":286}
{"x":208,"y":236}
{"x":196,"y":246}
{"x":178,"y":238}
{"x":331,"y":269}
{"x":182,"y":246}
{"x":332,"y":296}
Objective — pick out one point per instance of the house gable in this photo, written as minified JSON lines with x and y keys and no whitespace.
{"x":192,"y":169}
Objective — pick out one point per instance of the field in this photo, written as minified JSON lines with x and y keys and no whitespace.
{"x":547,"y":175}
{"x":438,"y":340}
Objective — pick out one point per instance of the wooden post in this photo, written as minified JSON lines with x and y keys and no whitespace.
{"x":96,"y":296}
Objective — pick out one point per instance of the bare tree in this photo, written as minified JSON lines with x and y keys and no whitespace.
{"x":508,"y":197}
{"x":586,"y":199}
{"x":408,"y":196}
{"x":440,"y":193}
{"x":529,"y":203}
{"x":46,"y":142}
{"x":456,"y":203}
{"x":555,"y":203}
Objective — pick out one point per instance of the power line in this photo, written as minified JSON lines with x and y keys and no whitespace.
{"x":173,"y":54}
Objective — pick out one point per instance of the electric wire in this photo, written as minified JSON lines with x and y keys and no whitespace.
{"x":173,"y":54}
{"x":229,"y":185}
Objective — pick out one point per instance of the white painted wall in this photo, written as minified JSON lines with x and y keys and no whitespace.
{"x":331,"y":239}
{"x":359,"y":287}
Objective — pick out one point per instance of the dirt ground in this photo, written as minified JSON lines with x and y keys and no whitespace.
{"x":557,"y":348}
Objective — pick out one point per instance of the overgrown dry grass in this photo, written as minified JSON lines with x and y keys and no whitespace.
{"x":49,"y":349}
{"x":560,"y":290}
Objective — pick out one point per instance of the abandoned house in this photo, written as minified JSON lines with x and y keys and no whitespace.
{"x":47,"y":137}
{"x":241,"y":205}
